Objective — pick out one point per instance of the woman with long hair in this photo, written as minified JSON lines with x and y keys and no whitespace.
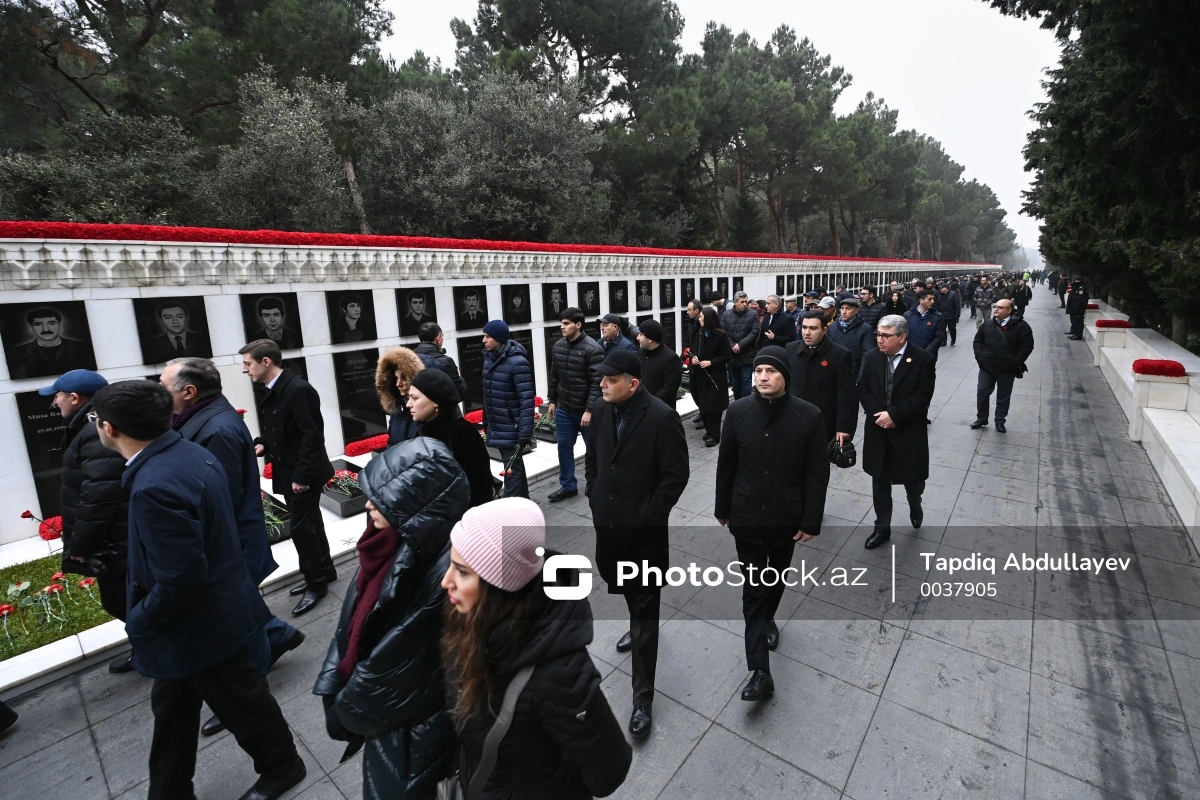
{"x":895,"y":304}
{"x":382,"y":680}
{"x":433,"y":402}
{"x":707,"y":376}
{"x":563,"y":742}
{"x":393,"y":375}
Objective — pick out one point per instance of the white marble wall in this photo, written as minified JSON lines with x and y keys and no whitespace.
{"x":107,"y":275}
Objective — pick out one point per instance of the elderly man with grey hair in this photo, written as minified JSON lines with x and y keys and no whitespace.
{"x":776,"y":327}
{"x":895,"y":388}
{"x":202,"y":414}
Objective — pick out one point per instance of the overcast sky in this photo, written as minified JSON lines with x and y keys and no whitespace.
{"x":956,"y":69}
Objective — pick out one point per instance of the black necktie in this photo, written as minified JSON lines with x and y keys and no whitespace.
{"x":179,"y":345}
{"x":891,"y":371}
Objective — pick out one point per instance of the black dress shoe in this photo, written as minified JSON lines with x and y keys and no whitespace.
{"x":640,"y":722}
{"x":877,"y":538}
{"x":1000,"y":428}
{"x":1076,"y":338}
{"x":759,"y":687}
{"x":773,"y":636}
{"x":272,"y":790}
{"x":121,"y":664}
{"x":309,"y":601}
{"x":212,"y":727}
{"x":625,"y":643}
{"x":711,"y":442}
{"x":916,"y":515}
{"x":8,"y":717}
{"x":561,"y":494}
{"x":294,"y":641}
{"x":301,"y":588}
{"x":979,"y":423}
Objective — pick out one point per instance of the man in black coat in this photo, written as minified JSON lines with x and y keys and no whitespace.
{"x":574,"y":390}
{"x":95,"y":526}
{"x":895,"y":389}
{"x":193,"y":606}
{"x":772,"y":476}
{"x":293,"y":443}
{"x":662,"y":371}
{"x":1077,"y":302}
{"x":636,"y":468}
{"x":432,"y":344}
{"x":202,"y":414}
{"x":777,"y":327}
{"x":851,"y":332}
{"x":823,"y":374}
{"x":1002,"y":346}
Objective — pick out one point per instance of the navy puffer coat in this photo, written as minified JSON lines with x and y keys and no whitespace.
{"x":396,"y":696}
{"x":507,"y":395}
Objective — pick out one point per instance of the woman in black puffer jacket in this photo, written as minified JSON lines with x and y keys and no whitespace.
{"x":564,"y":742}
{"x":382,"y":679}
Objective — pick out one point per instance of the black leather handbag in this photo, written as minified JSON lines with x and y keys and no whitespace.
{"x":842,"y":456}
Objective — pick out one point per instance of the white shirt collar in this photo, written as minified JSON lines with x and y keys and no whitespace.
{"x":271,"y":385}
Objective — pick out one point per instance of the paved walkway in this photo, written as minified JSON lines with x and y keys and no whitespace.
{"x":997,"y":697}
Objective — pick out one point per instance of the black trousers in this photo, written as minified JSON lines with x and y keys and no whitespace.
{"x":308,"y":534}
{"x":952,"y":329}
{"x":1077,"y":324}
{"x":760,"y":601}
{"x":112,"y":595}
{"x":989,"y":381}
{"x":881,"y":492}
{"x":712,"y":424}
{"x":643,"y":630}
{"x":237,"y":693}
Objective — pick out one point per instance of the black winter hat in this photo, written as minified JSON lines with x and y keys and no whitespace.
{"x":437,"y":386}
{"x":777,"y":357}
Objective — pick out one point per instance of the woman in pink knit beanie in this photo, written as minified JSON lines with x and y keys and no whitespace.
{"x":564,"y":741}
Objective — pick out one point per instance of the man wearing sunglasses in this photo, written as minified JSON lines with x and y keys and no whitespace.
{"x":895,"y":389}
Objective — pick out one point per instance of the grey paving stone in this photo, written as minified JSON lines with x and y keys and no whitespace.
{"x":840,"y":643}
{"x":105,"y":694}
{"x":1011,"y":486}
{"x":1186,"y":673}
{"x":295,"y":672}
{"x":1021,"y":452}
{"x":908,"y":755}
{"x":47,"y":715}
{"x":948,"y":477}
{"x":348,"y":778}
{"x":66,"y":768}
{"x":1171,"y":581}
{"x":1139,"y":512}
{"x":805,"y":699}
{"x":847,"y":505}
{"x":655,"y":759}
{"x":1117,"y":668}
{"x":123,"y":741}
{"x":874,"y":599}
{"x":908,"y":550}
{"x":945,"y":457}
{"x":1010,"y":587}
{"x":306,"y":717}
{"x":1122,"y":749}
{"x":988,"y":628}
{"x":1041,"y":781}
{"x":1167,"y":544}
{"x":1070,"y":502}
{"x":723,"y":604}
{"x":835,"y":533}
{"x":725,"y":765}
{"x":281,"y":604}
{"x":1116,"y":545}
{"x":987,"y":538}
{"x":1147,"y":491}
{"x":1179,"y":625}
{"x":1102,"y":607}
{"x":983,"y":506}
{"x":705,"y":539}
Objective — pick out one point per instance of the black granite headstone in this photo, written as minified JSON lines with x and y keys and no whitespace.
{"x":354,"y":375}
{"x":667,"y":319}
{"x":43,"y":427}
{"x":525,"y":339}
{"x":470,"y":364}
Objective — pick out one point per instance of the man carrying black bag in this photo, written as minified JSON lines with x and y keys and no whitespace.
{"x":822,"y":374}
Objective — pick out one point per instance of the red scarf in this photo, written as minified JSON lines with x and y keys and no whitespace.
{"x":376,"y":552}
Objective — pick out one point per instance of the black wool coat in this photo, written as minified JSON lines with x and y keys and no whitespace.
{"x":634,"y":482}
{"x":782,"y":325}
{"x":468,"y":448}
{"x":293,"y":433}
{"x":662,"y":373}
{"x":1003,"y":350}
{"x":824,"y":376}
{"x":772,"y":468}
{"x":710,"y":386}
{"x":899,"y":454}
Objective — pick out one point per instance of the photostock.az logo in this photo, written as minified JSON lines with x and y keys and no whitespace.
{"x":566,"y":562}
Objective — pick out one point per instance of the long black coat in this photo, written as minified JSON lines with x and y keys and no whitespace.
{"x":293,"y":433}
{"x":219,"y":429}
{"x":824,"y":376}
{"x":858,"y":338}
{"x":396,"y":695}
{"x":662,"y":373}
{"x":1003,"y":350}
{"x":710,"y":386}
{"x":468,"y":448}
{"x":95,"y":510}
{"x":783,"y":326}
{"x":899,"y":454}
{"x":772,"y":468}
{"x":633,"y":483}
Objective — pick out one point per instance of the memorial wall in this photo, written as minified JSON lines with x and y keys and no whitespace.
{"x":124,"y":300}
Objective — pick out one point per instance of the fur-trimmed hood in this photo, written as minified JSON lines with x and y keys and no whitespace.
{"x":398,"y":360}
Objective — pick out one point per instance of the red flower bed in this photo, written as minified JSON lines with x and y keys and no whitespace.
{"x":1159,"y":366}
{"x":164,"y":233}
{"x":1093,"y":306}
{"x":1113,"y":323}
{"x":370,"y":445}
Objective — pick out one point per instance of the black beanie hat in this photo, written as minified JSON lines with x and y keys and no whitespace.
{"x":437,"y":386}
{"x":775,"y":356}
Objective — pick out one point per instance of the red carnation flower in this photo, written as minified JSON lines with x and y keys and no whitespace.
{"x":53,"y":588}
{"x":474,"y":417}
{"x":58,"y":576}
{"x":87,"y":582}
{"x":537,"y":401}
{"x":50,"y":529}
{"x":268,"y":472}
{"x":27,"y":514}
{"x":6,"y":609}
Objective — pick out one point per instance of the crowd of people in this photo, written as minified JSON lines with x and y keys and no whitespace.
{"x":453,"y":668}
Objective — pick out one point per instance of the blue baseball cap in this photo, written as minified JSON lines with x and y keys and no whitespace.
{"x":78,"y":381}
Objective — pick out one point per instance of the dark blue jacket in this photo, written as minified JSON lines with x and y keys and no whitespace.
{"x":929,"y":333}
{"x":507,"y":395}
{"x":618,"y":343}
{"x":858,"y":337}
{"x":192,"y":602}
{"x":219,"y":429}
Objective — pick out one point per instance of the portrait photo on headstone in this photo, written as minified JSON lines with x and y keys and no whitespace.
{"x":415,"y":307}
{"x":618,"y":297}
{"x":723,"y":288}
{"x":666,"y":293}
{"x":470,"y":307}
{"x":172,"y":327}
{"x":791,"y":284}
{"x":43,"y":339}
{"x":779,"y":285}
{"x":351,"y":316}
{"x":706,"y":290}
{"x":516,"y":303}
{"x":738,"y":283}
{"x":554,"y":300}
{"x":589,"y":298}
{"x":687,"y":291}
{"x":273,"y":316}
{"x":645,"y":296}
